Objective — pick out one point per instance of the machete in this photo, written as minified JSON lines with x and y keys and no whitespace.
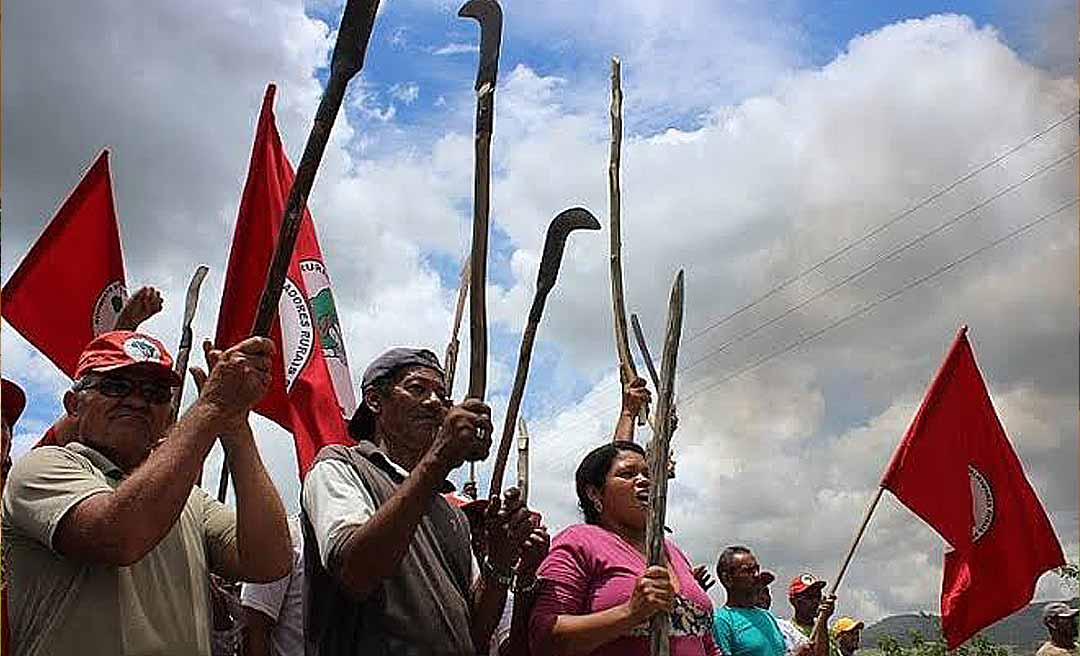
{"x":352,"y":42}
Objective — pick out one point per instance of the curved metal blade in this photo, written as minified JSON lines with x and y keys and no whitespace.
{"x":489,"y":14}
{"x":192,"y":299}
{"x":575,"y":218}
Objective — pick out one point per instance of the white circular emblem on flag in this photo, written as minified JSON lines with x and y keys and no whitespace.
{"x":982,"y":504}
{"x":325,"y":318}
{"x":107,"y":307}
{"x":297,"y":332}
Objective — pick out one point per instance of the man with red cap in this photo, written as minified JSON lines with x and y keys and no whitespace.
{"x":109,"y":542}
{"x":804,"y":593}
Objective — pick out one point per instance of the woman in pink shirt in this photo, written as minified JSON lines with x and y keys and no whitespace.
{"x":596,"y":594}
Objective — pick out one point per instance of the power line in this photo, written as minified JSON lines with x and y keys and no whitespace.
{"x":875,"y":231}
{"x":888,"y":256}
{"x":880,"y":228}
{"x":684,"y":401}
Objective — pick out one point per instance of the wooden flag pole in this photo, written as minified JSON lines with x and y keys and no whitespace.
{"x":819,"y":621}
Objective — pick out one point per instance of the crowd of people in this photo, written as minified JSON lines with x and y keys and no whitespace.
{"x":111,"y":547}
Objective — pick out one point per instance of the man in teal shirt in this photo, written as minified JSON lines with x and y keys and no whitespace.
{"x":740,"y":627}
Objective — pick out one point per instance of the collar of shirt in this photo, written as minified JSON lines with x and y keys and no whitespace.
{"x":97,"y":459}
{"x":399,"y":473}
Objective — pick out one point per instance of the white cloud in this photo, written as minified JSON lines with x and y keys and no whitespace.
{"x":407,"y":92}
{"x":456,"y":49}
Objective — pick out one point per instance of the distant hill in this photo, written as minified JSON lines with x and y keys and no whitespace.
{"x":1022,"y":630}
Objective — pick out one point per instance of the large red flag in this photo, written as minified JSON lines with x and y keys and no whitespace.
{"x":956,"y":469}
{"x":311,"y":393}
{"x":70,"y":286}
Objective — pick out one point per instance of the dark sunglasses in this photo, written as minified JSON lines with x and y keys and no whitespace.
{"x":153,"y":391}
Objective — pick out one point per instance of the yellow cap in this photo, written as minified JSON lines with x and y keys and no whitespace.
{"x":845,"y":624}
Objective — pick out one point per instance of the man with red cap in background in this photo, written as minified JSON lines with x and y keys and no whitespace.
{"x":109,"y":542}
{"x":804,"y":593}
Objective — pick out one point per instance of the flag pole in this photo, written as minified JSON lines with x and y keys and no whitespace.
{"x":819,"y":622}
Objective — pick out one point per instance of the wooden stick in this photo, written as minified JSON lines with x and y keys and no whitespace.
{"x":450,"y":361}
{"x":660,"y":624}
{"x":523,"y":460}
{"x":819,"y":621}
{"x":627,"y":372}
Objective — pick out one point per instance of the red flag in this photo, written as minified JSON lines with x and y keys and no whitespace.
{"x":311,"y":393}
{"x":70,"y":286}
{"x":956,"y":469}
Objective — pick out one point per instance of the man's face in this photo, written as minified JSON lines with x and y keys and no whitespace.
{"x":806,"y":602}
{"x":741,"y":574}
{"x":849,"y":640}
{"x":414,"y":406}
{"x":1065,"y":627}
{"x":124,"y":411}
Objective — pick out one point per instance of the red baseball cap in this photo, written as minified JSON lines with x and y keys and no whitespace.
{"x":802,"y":583}
{"x":13,"y":400}
{"x":122,"y":348}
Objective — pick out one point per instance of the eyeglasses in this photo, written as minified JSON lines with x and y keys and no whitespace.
{"x":114,"y":387}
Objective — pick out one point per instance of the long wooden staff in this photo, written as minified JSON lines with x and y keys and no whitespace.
{"x":450,"y":361}
{"x":627,"y":372}
{"x":523,"y":461}
{"x":660,"y":624}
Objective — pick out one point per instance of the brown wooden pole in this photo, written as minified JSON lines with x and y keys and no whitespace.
{"x":618,"y":299}
{"x":660,"y":624}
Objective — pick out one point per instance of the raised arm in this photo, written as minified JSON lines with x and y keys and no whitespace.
{"x":373,"y":551}
{"x":634,"y":397}
{"x":120,"y":527}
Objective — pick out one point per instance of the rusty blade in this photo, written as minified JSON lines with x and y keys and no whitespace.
{"x":191,"y":301}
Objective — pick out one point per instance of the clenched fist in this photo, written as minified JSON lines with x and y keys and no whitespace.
{"x":239,"y":376}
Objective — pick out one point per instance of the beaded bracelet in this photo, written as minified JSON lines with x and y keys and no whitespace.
{"x":488,"y":570}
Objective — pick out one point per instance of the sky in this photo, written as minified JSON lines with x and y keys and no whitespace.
{"x":896,"y":144}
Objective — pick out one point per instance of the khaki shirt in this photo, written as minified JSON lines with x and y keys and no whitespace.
{"x":62,"y":607}
{"x":1050,"y":649}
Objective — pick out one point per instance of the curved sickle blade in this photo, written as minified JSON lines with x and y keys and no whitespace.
{"x":489,"y":14}
{"x":575,"y":218}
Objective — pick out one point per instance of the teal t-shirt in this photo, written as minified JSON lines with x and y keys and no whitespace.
{"x":747,"y":632}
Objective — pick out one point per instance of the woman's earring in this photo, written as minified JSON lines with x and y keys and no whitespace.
{"x":599,"y":507}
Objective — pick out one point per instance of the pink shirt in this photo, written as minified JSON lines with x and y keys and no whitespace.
{"x":590,"y":569}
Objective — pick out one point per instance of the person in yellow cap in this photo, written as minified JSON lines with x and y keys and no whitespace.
{"x":846,"y":633}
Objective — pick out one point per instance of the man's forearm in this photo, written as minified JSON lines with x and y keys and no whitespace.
{"x":624,"y":428}
{"x":121,"y":527}
{"x":264,"y":549}
{"x":489,"y":597}
{"x":373,"y":551}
